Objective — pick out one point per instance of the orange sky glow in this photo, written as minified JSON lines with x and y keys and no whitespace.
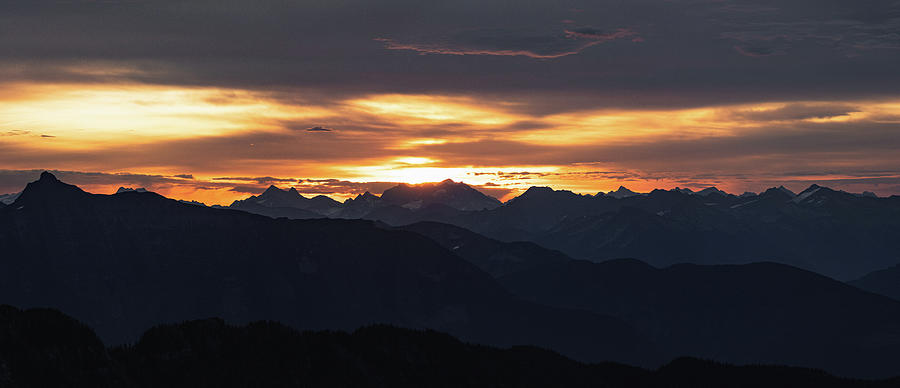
{"x":198,"y":137}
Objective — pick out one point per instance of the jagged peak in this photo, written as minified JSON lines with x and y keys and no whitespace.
{"x":46,"y":176}
{"x":786,"y":191}
{"x":47,"y":186}
{"x":711,"y":190}
{"x":812,"y":187}
{"x":538,"y":189}
{"x":271,"y":189}
{"x":367,"y":195}
{"x":780,"y":190}
{"x":622,"y":192}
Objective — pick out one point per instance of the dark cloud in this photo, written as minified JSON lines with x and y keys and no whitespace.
{"x":318,"y":129}
{"x":332,"y":186}
{"x":691,"y":49}
{"x":264,"y":180}
{"x":15,"y":180}
{"x":759,"y":51}
{"x":514,"y":43}
{"x":798,"y":112}
{"x":15,"y":132}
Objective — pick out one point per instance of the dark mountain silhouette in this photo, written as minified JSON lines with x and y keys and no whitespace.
{"x":621,"y":192}
{"x":494,"y":257}
{"x":293,"y":213}
{"x":275,"y":202}
{"x":397,"y":203}
{"x":127,"y":261}
{"x":754,"y":313}
{"x":43,"y":348}
{"x":456,"y":195}
{"x":361,"y":205}
{"x":884,"y":282}
{"x":838,"y":234}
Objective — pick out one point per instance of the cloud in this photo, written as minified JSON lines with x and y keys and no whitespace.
{"x":265,"y":180}
{"x":296,"y":49}
{"x":498,"y":42}
{"x":15,"y":132}
{"x":798,"y":111}
{"x":15,"y":180}
{"x":344,"y":187}
{"x":759,"y":51}
{"x":318,"y":129}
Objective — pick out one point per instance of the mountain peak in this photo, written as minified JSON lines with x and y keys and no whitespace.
{"x":457,"y":195}
{"x":711,"y":190}
{"x":622,"y":192}
{"x":786,"y":191}
{"x":811,"y":188}
{"x":537,"y":190}
{"x":366,"y":195}
{"x":46,"y":176}
{"x":47,"y":188}
{"x":272,"y":189}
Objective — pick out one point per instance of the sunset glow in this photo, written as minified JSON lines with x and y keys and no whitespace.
{"x":396,"y":138}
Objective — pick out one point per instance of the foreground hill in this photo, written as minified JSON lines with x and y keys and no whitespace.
{"x":754,"y":313}
{"x":132,"y":260}
{"x":40,"y":348}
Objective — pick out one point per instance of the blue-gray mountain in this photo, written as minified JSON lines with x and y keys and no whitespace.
{"x":831,"y":232}
{"x":885,"y":282}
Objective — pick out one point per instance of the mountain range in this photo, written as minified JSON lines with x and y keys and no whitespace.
{"x":751,"y":313}
{"x":838,"y":234}
{"x":128,"y":261}
{"x":122,"y":263}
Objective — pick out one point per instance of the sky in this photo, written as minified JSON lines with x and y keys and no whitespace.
{"x":216,"y":100}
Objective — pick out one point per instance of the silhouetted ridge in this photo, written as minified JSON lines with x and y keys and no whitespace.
{"x":884,"y":282}
{"x":754,"y":313}
{"x":622,"y":192}
{"x":48,"y":188}
{"x":125,"y":262}
{"x":43,"y":348}
{"x":457,"y":195}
